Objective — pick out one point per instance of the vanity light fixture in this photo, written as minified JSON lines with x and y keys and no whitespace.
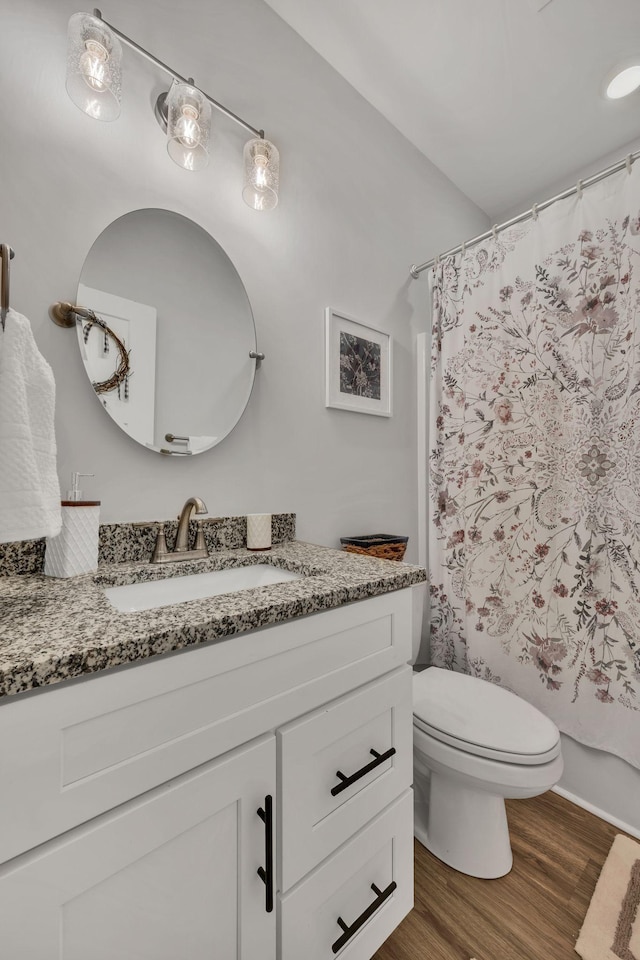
{"x":94,"y":77}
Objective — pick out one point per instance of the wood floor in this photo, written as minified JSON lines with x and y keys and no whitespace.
{"x":534,"y":913}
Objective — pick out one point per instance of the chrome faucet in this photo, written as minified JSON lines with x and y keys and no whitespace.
{"x":181,"y":550}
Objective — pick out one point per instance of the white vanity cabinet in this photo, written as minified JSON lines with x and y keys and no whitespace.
{"x":152,"y":812}
{"x":171,"y":874}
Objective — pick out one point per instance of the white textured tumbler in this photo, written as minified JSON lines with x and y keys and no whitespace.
{"x":259,"y":531}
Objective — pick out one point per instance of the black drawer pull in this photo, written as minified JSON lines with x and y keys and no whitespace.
{"x":362,"y":772}
{"x":348,"y":932}
{"x":266,"y":873}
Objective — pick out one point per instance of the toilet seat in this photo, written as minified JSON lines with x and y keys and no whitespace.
{"x":527,"y":759}
{"x":481,"y":718}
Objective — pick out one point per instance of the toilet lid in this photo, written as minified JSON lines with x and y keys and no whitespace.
{"x":455,"y":707}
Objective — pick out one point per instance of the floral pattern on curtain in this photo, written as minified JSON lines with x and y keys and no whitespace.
{"x":535,"y":464}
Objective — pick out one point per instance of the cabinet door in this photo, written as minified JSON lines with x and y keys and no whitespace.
{"x":172,"y":874}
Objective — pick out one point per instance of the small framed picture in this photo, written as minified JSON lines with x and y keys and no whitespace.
{"x":358,"y":366}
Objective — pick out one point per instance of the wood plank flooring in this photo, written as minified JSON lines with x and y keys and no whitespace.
{"x":534,"y":913}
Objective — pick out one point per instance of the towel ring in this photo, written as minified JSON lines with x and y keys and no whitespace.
{"x":6,"y":254}
{"x":66,"y":314}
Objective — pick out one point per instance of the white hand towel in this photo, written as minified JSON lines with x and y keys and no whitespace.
{"x":29,"y":486}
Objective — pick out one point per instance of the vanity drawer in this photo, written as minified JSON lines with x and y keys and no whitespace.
{"x":75,"y":750}
{"x":368,"y":737}
{"x":380,"y":856}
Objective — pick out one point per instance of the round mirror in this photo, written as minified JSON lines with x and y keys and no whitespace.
{"x":169,"y":350}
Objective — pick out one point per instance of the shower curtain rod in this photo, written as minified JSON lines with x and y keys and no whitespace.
{"x":415,"y":271}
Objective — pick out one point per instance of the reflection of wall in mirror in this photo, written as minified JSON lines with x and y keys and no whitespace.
{"x":135,"y":324}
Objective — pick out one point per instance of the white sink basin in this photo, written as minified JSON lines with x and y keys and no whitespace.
{"x":162,"y":593}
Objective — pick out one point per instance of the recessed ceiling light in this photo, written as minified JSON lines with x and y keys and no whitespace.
{"x":624,"y":82}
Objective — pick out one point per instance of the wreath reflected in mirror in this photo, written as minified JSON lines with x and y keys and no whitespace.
{"x":119,"y":380}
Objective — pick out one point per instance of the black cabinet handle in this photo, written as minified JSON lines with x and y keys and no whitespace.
{"x":266,"y":873}
{"x":347,"y":781}
{"x":348,"y":932}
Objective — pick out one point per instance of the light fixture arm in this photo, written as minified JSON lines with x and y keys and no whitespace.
{"x":176,"y":76}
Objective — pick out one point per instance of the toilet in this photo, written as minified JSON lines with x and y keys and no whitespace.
{"x":475,"y":745}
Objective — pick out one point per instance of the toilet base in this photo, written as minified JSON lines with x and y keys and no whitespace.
{"x":465,"y":828}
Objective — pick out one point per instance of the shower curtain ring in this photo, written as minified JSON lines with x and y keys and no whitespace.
{"x":579,"y":189}
{"x":494,"y":231}
{"x":628,"y":162}
{"x":534,"y":211}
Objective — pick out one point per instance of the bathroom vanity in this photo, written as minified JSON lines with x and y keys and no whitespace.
{"x":248,"y":798}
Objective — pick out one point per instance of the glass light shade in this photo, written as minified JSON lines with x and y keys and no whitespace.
{"x":94,"y":67}
{"x":188,"y":126}
{"x":261,"y":174}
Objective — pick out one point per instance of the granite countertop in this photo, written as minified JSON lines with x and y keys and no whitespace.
{"x":53,"y":630}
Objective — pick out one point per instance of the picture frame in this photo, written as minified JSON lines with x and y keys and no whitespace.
{"x":358,"y":365}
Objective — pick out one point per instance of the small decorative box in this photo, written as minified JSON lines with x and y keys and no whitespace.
{"x":382,"y":545}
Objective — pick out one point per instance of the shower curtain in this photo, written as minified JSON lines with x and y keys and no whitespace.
{"x":534,"y":457}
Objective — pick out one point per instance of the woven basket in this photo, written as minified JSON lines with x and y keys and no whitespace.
{"x":381,"y":545}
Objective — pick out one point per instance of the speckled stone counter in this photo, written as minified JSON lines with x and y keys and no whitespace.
{"x":122,"y":542}
{"x":52,"y":630}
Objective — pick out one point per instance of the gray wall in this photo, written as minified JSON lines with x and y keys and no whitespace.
{"x":358,"y":204}
{"x":559,"y":186}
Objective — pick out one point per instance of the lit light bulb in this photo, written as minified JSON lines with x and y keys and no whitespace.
{"x":187,"y":129}
{"x":94,"y":66}
{"x":260,"y":172}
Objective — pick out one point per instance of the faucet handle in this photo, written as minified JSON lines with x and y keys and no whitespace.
{"x":160,"y":550}
{"x":200,"y":544}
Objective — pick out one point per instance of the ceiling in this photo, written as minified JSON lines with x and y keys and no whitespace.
{"x":504,"y":96}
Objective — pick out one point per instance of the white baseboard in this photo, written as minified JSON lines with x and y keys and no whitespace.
{"x":602,"y":814}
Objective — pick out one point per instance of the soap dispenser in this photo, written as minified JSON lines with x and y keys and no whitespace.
{"x":75,"y":549}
